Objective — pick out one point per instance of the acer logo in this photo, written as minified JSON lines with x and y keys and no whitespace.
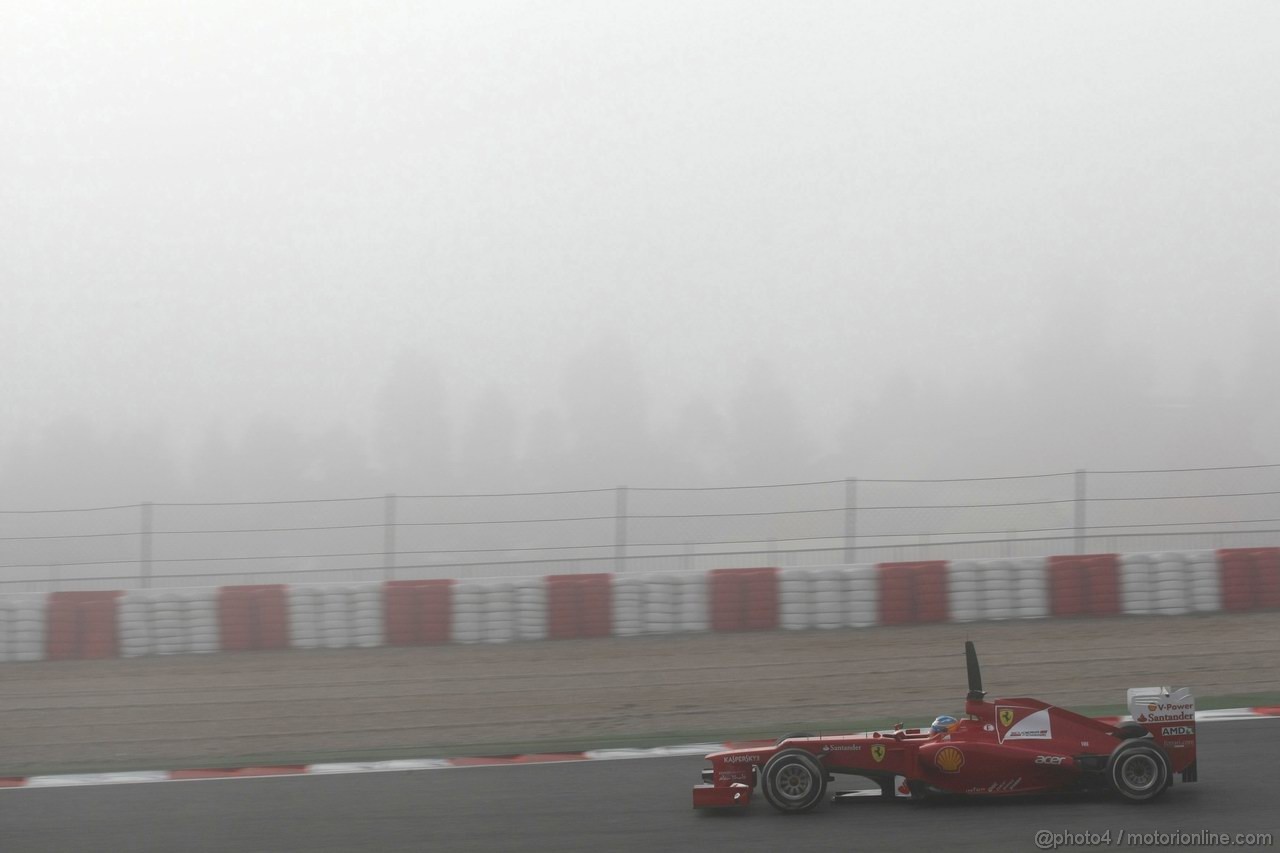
{"x":1050,"y":759}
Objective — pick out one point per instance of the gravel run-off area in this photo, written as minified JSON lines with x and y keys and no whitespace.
{"x":302,"y":706}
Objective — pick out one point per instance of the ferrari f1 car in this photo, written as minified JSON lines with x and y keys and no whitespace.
{"x":1005,"y":747}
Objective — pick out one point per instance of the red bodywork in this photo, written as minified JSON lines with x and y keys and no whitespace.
{"x":1004,"y":747}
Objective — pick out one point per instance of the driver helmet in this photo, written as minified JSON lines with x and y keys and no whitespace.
{"x":945,"y":723}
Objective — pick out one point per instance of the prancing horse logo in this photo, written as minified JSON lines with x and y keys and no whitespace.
{"x":1006,"y":717}
{"x":877,"y":751}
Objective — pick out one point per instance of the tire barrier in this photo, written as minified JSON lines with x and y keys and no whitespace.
{"x":253,"y":618}
{"x":913,"y":592}
{"x":22,"y":627}
{"x":505,"y":611}
{"x":1169,"y":583}
{"x":102,"y":624}
{"x":743,"y":599}
{"x":418,"y":613}
{"x":1084,"y":585}
{"x":828,"y":597}
{"x":998,"y":589}
{"x":531,"y":616}
{"x":579,"y":606}
{"x":82,"y":625}
{"x":335,"y":616}
{"x":659,"y":604}
{"x":1250,"y":578}
{"x":168,"y":622}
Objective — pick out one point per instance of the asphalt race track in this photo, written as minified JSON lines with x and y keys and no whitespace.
{"x":627,"y":805}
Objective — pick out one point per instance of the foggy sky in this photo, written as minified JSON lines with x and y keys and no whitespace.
{"x":888,"y":238}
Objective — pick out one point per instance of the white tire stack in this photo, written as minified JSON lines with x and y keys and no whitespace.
{"x":862,"y":609}
{"x":1205,"y":581}
{"x":628,"y":604}
{"x":530,"y":597}
{"x":828,"y":597}
{"x":168,"y":622}
{"x":691,"y":593}
{"x":1170,"y":584}
{"x":1137,"y":583}
{"x":335,"y":616}
{"x":997,"y":589}
{"x":1031,"y":587}
{"x":202,"y":620}
{"x":135,"y":624}
{"x":468,"y":600}
{"x":795,"y":599}
{"x":22,"y":627}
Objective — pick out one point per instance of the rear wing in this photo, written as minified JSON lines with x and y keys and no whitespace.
{"x":1169,"y":714}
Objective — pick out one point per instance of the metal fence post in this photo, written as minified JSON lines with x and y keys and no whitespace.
{"x":1080,"y":502}
{"x":389,"y":537}
{"x":144,"y":545}
{"x":850,"y":519}
{"x":619,"y":527}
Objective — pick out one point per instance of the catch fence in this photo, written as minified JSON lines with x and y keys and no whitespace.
{"x":634,"y":529}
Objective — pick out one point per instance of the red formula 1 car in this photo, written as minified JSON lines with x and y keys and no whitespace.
{"x":1004,"y":747}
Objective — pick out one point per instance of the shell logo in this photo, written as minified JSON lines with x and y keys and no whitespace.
{"x":1152,"y":708}
{"x":949,"y":759}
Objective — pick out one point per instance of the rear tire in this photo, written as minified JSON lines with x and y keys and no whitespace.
{"x":793,"y":781}
{"x":1139,"y":771}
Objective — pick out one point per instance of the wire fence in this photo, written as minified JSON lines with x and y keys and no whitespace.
{"x":626,"y":529}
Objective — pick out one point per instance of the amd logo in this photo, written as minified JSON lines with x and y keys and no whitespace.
{"x":1176,"y":731}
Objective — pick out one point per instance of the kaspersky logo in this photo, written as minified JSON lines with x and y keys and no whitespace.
{"x":877,"y":751}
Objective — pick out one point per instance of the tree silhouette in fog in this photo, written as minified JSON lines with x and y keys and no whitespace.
{"x":607,"y":405}
{"x":1081,"y":394}
{"x":487,"y":459}
{"x":767,"y":441}
{"x":414,"y":433}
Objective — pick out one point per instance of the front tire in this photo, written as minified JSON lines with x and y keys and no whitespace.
{"x":1139,"y":771}
{"x":793,"y":781}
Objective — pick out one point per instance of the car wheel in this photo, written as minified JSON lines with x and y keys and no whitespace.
{"x":1139,"y":771}
{"x":793,"y":781}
